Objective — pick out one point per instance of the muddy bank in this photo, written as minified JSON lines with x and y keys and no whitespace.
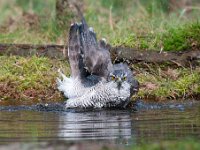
{"x":186,"y":58}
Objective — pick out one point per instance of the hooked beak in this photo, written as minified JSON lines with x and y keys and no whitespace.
{"x":119,"y":84}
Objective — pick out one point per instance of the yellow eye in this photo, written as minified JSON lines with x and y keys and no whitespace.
{"x":112,"y":77}
{"x":124,"y":78}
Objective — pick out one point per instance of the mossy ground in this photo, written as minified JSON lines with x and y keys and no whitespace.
{"x":30,"y":79}
{"x":137,"y":24}
{"x":164,"y":83}
{"x":33,"y":79}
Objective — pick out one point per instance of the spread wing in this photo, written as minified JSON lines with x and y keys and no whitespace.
{"x":75,"y":54}
{"x":96,"y":56}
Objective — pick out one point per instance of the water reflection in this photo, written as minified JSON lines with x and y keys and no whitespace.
{"x":96,"y":125}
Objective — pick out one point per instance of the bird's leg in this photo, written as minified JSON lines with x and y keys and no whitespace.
{"x":75,"y":54}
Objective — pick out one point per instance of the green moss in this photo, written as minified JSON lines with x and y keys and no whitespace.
{"x":182,"y":38}
{"x":34,"y":78}
{"x":168,"y":84}
{"x":29,"y":78}
{"x":128,"y":41}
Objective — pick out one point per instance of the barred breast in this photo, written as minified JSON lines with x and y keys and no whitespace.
{"x":102,"y":95}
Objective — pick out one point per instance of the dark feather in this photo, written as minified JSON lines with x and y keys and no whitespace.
{"x":96,"y":57}
{"x":75,"y":54}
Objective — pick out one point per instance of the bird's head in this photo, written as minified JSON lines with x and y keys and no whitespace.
{"x":118,"y":77}
{"x":122,"y":75}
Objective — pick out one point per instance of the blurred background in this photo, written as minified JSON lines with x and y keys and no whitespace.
{"x":142,"y":24}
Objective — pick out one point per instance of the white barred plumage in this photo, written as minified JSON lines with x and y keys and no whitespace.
{"x":103,"y":94}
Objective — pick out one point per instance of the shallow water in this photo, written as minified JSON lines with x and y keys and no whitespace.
{"x":124,"y":127}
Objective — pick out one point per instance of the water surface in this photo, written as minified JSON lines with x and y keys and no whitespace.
{"x":102,"y":126}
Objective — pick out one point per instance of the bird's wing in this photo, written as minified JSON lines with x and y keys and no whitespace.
{"x":74,"y":53}
{"x":96,"y":56}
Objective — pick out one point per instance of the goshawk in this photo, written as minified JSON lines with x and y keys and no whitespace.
{"x":94,"y":82}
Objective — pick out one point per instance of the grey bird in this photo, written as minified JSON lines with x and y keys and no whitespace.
{"x":94,"y":82}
